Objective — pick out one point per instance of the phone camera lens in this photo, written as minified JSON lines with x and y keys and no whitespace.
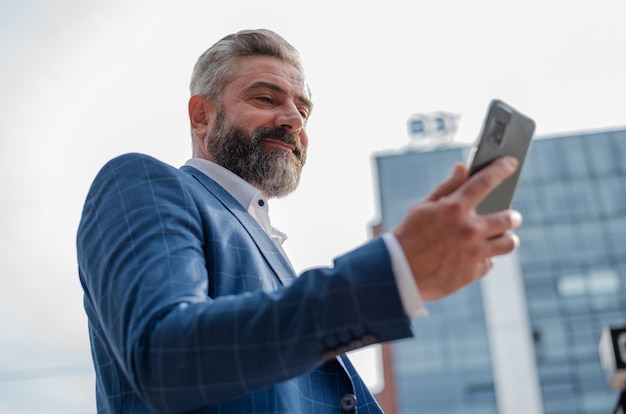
{"x":498,"y":133}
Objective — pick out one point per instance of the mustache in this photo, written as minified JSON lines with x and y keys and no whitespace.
{"x":280,"y":134}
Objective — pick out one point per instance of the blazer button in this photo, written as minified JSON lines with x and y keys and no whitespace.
{"x":348,"y":402}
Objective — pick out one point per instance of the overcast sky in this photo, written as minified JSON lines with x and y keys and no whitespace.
{"x":84,"y":81}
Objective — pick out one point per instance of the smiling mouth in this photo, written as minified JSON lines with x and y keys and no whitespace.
{"x":276,"y":143}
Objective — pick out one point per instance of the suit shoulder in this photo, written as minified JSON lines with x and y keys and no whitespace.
{"x":133,"y":170}
{"x":135,"y":159}
{"x":135,"y":165}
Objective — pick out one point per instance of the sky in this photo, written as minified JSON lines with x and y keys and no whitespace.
{"x":84,"y":81}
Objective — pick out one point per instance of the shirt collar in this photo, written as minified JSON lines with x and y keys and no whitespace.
{"x":244,"y":192}
{"x":250,"y":197}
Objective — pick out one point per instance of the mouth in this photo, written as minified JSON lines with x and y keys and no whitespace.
{"x":276,"y":143}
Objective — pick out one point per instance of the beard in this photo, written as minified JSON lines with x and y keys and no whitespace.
{"x":275,"y":172}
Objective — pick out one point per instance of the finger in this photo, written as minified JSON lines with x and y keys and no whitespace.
{"x":482,"y":268}
{"x":486,"y":266}
{"x":457,"y":177}
{"x":500,"y":222}
{"x":481,"y":183}
{"x":502,"y":244}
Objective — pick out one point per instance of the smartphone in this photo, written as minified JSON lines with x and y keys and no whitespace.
{"x":505,"y":131}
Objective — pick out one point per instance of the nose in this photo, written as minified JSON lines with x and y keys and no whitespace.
{"x":290,"y":118}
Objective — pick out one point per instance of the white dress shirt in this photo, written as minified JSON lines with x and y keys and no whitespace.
{"x":257,"y":205}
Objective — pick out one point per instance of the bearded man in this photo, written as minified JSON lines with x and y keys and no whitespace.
{"x":193,"y":306}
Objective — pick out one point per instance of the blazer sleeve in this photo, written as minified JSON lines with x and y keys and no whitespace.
{"x":143,"y":268}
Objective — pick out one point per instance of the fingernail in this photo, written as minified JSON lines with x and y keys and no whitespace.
{"x":511,"y":163}
{"x":516,"y":218}
{"x":516,"y":240}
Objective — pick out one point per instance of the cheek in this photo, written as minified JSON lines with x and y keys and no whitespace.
{"x":304,"y":139}
{"x":253,"y":118}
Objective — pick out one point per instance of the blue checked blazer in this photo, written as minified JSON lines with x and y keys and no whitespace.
{"x":193,"y":309}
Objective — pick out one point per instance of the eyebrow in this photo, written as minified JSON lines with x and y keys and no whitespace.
{"x":273,"y":87}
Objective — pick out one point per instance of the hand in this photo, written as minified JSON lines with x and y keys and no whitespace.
{"x":447,"y":244}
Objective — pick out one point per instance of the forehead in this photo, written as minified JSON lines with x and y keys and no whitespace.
{"x":251,"y":70}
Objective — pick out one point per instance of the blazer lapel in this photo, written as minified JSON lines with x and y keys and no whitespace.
{"x":274,"y":257}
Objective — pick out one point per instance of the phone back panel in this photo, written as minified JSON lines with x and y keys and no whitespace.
{"x":505,"y":132}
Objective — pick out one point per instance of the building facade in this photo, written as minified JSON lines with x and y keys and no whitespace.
{"x":525,"y":338}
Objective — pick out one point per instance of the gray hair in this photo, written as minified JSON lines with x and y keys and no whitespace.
{"x":214,"y":68}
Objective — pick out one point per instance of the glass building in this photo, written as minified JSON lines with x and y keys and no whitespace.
{"x":525,"y":338}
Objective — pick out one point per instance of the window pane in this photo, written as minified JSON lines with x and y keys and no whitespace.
{"x":591,"y":241}
{"x":561,"y":242}
{"x":602,"y":154}
{"x":611,"y":194}
{"x":576,"y":158}
{"x":572,"y":285}
{"x":533,"y":246}
{"x":617,"y":236}
{"x":603,"y":282}
{"x":578,"y":200}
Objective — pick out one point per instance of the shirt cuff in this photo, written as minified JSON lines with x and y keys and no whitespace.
{"x":409,"y":292}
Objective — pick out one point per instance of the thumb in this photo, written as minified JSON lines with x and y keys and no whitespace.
{"x":457,"y":177}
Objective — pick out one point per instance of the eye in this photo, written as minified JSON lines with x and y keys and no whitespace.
{"x":305,"y":111}
{"x":265,"y":99}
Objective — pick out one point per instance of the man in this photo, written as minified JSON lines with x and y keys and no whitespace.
{"x":192,"y":304}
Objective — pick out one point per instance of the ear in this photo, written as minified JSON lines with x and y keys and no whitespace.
{"x":201,"y":114}
{"x":201,"y":117}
